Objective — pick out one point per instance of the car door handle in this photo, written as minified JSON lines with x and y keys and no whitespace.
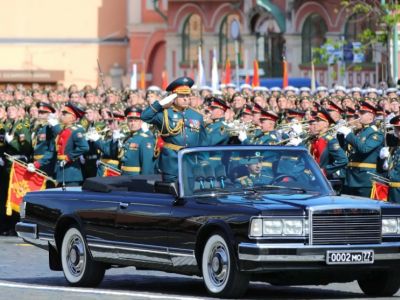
{"x":123,"y":205}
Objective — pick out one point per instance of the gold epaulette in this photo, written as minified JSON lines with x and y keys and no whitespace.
{"x":374,"y":128}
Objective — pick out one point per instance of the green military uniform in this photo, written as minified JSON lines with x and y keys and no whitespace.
{"x":363,"y":159}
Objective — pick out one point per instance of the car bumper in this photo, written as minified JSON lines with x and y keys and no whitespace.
{"x":29,"y":232}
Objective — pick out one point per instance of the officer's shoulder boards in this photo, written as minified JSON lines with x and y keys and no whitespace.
{"x":19,"y":126}
{"x":374,"y":128}
{"x":27,"y":124}
{"x":144,"y":134}
{"x":1,"y":126}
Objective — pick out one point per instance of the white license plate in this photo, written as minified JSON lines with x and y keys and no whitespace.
{"x":349,"y":257}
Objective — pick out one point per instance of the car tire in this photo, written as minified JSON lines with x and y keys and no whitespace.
{"x":380,"y":284}
{"x":78,"y":267}
{"x":220,"y":274}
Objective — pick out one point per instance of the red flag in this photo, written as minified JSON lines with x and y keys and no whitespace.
{"x":256,"y":78}
{"x":142,"y":79}
{"x":110,"y":172}
{"x":247,"y":79}
{"x":379,"y":191}
{"x":285,"y":81}
{"x":227,"y":72}
{"x":164,"y":78}
{"x":21,"y":182}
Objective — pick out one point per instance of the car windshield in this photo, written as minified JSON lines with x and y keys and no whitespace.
{"x":249,"y":169}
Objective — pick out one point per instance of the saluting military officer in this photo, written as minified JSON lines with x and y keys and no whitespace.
{"x":43,"y":141}
{"x":324,"y":147}
{"x":364,"y":152}
{"x":136,"y":154}
{"x":179,"y":125}
{"x":70,"y":146}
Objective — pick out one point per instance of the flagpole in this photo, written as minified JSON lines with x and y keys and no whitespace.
{"x":39,"y":172}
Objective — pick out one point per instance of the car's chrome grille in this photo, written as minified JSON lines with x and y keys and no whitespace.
{"x":346,"y":227}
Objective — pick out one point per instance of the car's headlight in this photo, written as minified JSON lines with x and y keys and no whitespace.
{"x":278,"y":227}
{"x":390,"y":226}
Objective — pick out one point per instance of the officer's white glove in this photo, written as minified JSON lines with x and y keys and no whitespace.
{"x":384,"y":153}
{"x":1,"y":162}
{"x":63,"y":163}
{"x":296,"y":128}
{"x":93,"y":136}
{"x":31,"y":168}
{"x":82,"y":159}
{"x":117,"y":134}
{"x":167,"y":100}
{"x":344,"y":130}
{"x":52,"y":120}
{"x":242,"y":135}
{"x":9,"y":137}
{"x":145,"y":127}
{"x":385,"y":165}
{"x":295,"y":141}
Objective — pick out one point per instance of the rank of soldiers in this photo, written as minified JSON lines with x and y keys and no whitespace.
{"x":353,"y":134}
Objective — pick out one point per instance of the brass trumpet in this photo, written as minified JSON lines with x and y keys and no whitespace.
{"x":235,"y":127}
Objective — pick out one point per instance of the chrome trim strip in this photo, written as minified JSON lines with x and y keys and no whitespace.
{"x":316,"y":247}
{"x":305,"y":258}
{"x":26,"y":230}
{"x":133,"y":249}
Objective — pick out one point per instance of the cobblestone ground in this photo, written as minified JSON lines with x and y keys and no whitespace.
{"x":24,"y":274}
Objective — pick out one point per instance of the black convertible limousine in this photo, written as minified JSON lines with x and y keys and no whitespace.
{"x":236,"y":214}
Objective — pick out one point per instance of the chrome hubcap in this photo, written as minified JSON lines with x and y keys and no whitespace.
{"x":218,"y":264}
{"x":76,"y":256}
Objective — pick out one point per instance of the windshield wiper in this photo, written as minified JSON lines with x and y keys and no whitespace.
{"x":278,"y":187}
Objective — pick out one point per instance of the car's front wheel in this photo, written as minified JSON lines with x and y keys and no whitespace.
{"x":380,"y":284}
{"x":78,"y":267}
{"x":220,"y":274}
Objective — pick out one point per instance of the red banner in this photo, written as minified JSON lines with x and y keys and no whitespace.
{"x":285,"y":81}
{"x":227,"y":72}
{"x":110,"y":172}
{"x":379,"y":191}
{"x":256,"y":78}
{"x":21,"y":182}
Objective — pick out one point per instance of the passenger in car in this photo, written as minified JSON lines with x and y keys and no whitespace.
{"x":254,"y":167}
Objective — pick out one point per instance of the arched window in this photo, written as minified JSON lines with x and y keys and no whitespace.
{"x":355,"y":25}
{"x":312,"y":35}
{"x":226,"y":42}
{"x":192,"y":38}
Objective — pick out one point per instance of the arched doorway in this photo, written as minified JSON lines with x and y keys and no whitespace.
{"x":157,"y":63}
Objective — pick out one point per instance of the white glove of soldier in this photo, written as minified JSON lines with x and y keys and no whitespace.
{"x":294,"y":141}
{"x":167,"y":100}
{"x":82,"y":159}
{"x":385,"y":165}
{"x":384,"y":153}
{"x":52,"y":120}
{"x":63,"y":163}
{"x":117,"y":134}
{"x":9,"y":137}
{"x":344,"y":130}
{"x":93,"y":136}
{"x":1,"y":162}
{"x":297,"y":129}
{"x":31,"y":168}
{"x":145,"y":127}
{"x":242,"y":135}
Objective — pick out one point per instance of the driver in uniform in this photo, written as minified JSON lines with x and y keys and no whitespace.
{"x":254,"y":167}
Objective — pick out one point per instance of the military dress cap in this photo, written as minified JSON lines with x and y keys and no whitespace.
{"x":331,"y":91}
{"x":275,"y":89}
{"x":340,"y":88}
{"x":205,"y":88}
{"x":231,"y":85}
{"x":390,"y":90}
{"x":217,"y":102}
{"x":395,"y":121}
{"x":268,"y":115}
{"x":46,"y":107}
{"x":256,"y":108}
{"x":245,"y":86}
{"x":180,"y":85}
{"x":293,"y":113}
{"x":305,"y":89}
{"x":289,"y":88}
{"x":74,"y":110}
{"x":251,"y":159}
{"x":323,"y":115}
{"x":222,"y":86}
{"x":334,"y":107}
{"x":133,"y":112}
{"x":356,"y":89}
{"x":350,"y":112}
{"x":367,"y":107}
{"x":247,"y":110}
